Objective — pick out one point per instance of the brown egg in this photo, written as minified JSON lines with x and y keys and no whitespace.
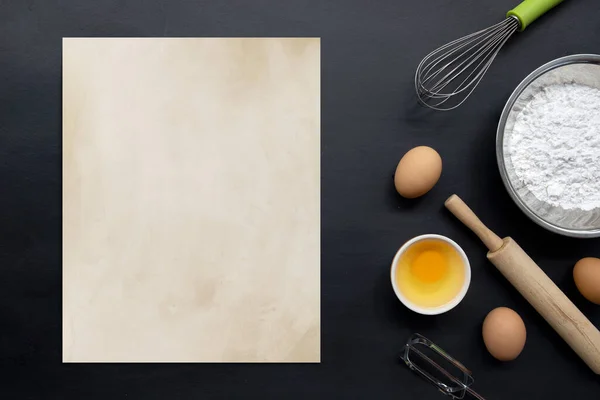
{"x":587,"y":278}
{"x":417,"y":172}
{"x":504,"y":333}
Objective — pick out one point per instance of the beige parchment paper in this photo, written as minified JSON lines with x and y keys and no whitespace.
{"x":191,"y":200}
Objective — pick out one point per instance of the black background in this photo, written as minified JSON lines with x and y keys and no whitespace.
{"x":369,"y":120}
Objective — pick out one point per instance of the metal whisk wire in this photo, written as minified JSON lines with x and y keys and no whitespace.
{"x":453,"y":71}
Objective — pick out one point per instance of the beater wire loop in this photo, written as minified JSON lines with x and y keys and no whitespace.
{"x":448,"y":375}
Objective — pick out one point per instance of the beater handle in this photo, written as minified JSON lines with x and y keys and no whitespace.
{"x":530,"y":10}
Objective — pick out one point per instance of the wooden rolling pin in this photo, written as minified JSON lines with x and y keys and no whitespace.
{"x":539,"y":290}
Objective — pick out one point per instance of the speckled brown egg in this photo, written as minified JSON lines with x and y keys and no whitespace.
{"x":417,"y":172}
{"x":504,"y":334}
{"x":586,"y":274}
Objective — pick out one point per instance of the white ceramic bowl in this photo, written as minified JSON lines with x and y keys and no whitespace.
{"x":452,"y":303}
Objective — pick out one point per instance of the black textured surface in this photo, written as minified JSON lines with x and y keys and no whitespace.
{"x":369,"y":119}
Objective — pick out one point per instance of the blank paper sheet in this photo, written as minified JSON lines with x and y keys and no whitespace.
{"x":191,"y":200}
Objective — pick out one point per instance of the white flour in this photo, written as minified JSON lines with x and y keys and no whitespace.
{"x":555,"y":146}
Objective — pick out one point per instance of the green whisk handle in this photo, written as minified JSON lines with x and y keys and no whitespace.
{"x":530,"y":10}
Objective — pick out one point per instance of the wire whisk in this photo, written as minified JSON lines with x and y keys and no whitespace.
{"x":446,"y":77}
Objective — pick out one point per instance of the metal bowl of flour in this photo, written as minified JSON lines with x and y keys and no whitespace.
{"x":583,"y":69}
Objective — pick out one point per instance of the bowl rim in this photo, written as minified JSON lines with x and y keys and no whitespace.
{"x":547,"y":67}
{"x":455,"y":300}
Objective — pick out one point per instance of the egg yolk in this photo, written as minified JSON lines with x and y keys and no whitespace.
{"x":429,"y":266}
{"x":430,"y":273}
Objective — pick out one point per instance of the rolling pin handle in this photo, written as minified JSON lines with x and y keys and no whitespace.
{"x":462,"y":211}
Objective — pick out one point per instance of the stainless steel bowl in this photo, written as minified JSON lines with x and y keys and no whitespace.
{"x":580,"y":68}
